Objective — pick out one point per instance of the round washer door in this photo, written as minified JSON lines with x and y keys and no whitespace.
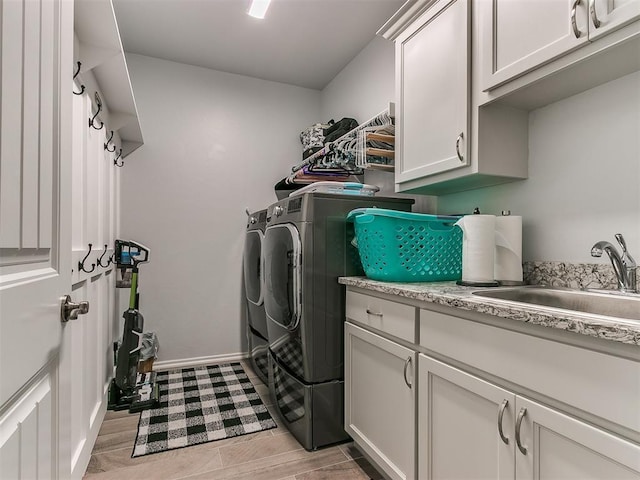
{"x":282,"y":274}
{"x":253,"y":274}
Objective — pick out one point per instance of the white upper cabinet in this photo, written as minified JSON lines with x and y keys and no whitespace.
{"x":518,"y":36}
{"x":469,"y":72}
{"x":432,"y":86}
{"x":608,"y":15}
{"x":444,"y":142}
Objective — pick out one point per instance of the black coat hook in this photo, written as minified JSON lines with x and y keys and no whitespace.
{"x":74,"y":77}
{"x":92,"y":119}
{"x":81,"y":263}
{"x":106,"y":145}
{"x":100,"y":259}
{"x":115,"y":161}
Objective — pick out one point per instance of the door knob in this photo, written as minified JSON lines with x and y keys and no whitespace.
{"x":70,"y":310}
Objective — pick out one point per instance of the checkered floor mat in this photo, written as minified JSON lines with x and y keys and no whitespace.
{"x":199,"y":405}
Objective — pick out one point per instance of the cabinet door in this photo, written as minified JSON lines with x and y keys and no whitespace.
{"x":608,"y":15}
{"x":520,"y":35}
{"x":380,"y":400}
{"x":557,"y":446}
{"x":459,"y":419}
{"x":432,"y":81}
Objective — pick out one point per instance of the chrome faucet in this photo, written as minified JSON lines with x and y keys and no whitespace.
{"x":624,"y":266}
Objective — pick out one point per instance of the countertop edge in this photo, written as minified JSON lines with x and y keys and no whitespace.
{"x":451,"y":295}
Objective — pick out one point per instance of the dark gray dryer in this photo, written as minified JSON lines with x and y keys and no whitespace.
{"x":307,"y":247}
{"x":254,"y":288}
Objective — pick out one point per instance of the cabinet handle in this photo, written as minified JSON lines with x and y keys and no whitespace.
{"x":576,"y":31}
{"x":460,"y":137}
{"x":407,"y":362}
{"x":503,"y":406}
{"x":521,"y":414}
{"x":594,"y":15}
{"x":377,"y":314}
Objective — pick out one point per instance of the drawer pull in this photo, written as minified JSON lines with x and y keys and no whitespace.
{"x":576,"y":31}
{"x":404,"y":373}
{"x":377,"y":314}
{"x":503,"y":406}
{"x":521,"y":414}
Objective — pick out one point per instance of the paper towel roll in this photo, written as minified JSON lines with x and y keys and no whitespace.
{"x":478,"y":247}
{"x":508,"y":256}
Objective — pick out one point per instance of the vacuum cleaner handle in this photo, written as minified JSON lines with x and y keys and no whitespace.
{"x":130,"y":254}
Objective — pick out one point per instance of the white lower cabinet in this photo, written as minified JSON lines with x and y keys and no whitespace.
{"x":457,"y":425}
{"x":471,"y":428}
{"x":556,"y":446}
{"x":380,"y":400}
{"x":533,"y":408}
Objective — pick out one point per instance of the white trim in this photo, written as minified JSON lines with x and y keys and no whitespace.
{"x":82,"y":455}
{"x":407,"y":13}
{"x":198,"y":361}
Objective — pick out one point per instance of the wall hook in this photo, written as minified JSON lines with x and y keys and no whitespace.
{"x":92,"y":119}
{"x":106,"y":145}
{"x":115,"y":161}
{"x":81,"y":263}
{"x":100,"y":259}
{"x":74,"y":77}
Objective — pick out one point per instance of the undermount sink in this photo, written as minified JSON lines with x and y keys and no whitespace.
{"x":595,"y":303}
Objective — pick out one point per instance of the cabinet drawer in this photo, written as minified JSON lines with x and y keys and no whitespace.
{"x":603,"y":385}
{"x":390,"y":317}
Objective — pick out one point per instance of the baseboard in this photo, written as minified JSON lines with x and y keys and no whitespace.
{"x":198,"y":361}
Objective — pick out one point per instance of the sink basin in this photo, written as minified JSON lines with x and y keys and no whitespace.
{"x":595,"y":303}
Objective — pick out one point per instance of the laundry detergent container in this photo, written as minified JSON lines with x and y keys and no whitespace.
{"x":407,"y":247}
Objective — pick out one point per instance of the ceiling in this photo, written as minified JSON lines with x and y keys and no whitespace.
{"x":300,"y":42}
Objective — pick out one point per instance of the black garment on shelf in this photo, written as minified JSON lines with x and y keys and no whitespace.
{"x":310,"y":151}
{"x":338,"y":129}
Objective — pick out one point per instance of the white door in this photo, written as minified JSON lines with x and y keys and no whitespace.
{"x":432,"y":90}
{"x":36,"y":55}
{"x":552,"y":446}
{"x":380,"y":397}
{"x":608,"y":15}
{"x":520,"y":35}
{"x":465,"y":425}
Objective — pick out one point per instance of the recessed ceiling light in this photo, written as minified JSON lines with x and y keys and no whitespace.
{"x":258,"y":8}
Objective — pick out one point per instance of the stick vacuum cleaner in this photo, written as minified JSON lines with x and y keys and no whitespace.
{"x":129,"y":389}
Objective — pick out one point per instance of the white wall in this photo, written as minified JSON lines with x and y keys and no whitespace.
{"x":364,"y":87}
{"x":215,"y":143}
{"x":362,"y":90}
{"x":584,"y":176}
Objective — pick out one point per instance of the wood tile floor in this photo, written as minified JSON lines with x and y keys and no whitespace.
{"x":269,"y":455}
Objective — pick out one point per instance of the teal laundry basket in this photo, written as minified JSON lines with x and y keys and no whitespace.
{"x":407,"y":247}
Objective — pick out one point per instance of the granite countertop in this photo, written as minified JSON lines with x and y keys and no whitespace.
{"x":452,"y":295}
